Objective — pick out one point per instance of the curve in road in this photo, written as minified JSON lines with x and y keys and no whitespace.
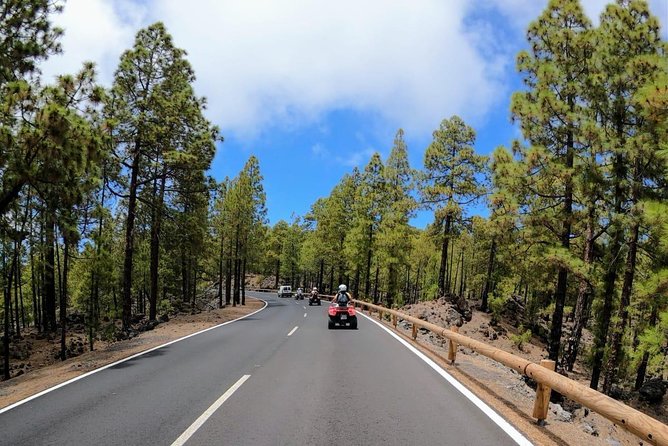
{"x":250,"y":383}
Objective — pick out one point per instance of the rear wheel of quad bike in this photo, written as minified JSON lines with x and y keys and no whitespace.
{"x":309,"y":304}
{"x":318,"y":303}
{"x":330,"y":325}
{"x":353,"y":324}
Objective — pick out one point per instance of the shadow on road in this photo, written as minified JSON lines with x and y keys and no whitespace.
{"x":130,"y":362}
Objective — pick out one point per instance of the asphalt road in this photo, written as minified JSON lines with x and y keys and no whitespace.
{"x":260,"y":381}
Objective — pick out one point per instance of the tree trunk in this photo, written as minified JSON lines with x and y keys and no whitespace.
{"x":367,"y":283}
{"x":583,"y":303}
{"x":454,"y":280}
{"x":221,"y":274}
{"x":33,"y":283}
{"x":449,"y":285}
{"x":331,"y":280}
{"x":63,"y":299}
{"x":7,"y":312}
{"x":321,"y":274}
{"x":562,"y":276}
{"x":17,"y":279}
{"x":444,"y":255}
{"x":49,"y":306}
{"x":610,"y":277}
{"x":488,"y":280}
{"x":228,"y":282}
{"x":278,"y":273}
{"x":243,"y":282}
{"x":375,"y":287}
{"x":129,"y":240}
{"x":642,"y":368}
{"x":193,"y":269}
{"x":391,"y":285}
{"x":155,"y":247}
{"x":416,"y":290}
{"x":623,"y":312}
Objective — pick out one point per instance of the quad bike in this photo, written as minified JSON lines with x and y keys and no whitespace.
{"x":314,"y":299}
{"x":341,"y":315}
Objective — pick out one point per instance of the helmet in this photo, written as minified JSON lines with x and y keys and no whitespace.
{"x":315,"y":288}
{"x":342,"y":288}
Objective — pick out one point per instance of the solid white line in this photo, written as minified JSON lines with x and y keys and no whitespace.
{"x":207,"y":413}
{"x":495,"y":417}
{"x":85,"y":375}
{"x":293,"y":330}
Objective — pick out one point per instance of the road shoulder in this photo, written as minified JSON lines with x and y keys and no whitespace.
{"x":41,"y":379}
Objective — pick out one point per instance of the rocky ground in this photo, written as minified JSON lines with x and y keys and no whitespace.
{"x":35,"y":363}
{"x":568,"y":423}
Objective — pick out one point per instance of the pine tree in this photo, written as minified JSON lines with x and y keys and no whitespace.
{"x":394,"y":237}
{"x":451,"y":181}
{"x":549,"y":113}
{"x":628,"y":43}
{"x":150,"y":97}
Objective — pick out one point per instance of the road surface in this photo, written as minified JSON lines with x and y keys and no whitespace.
{"x":278,"y":377}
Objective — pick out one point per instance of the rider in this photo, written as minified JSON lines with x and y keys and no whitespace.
{"x":343,"y":296}
{"x":299,"y":293}
{"x":314,"y":291}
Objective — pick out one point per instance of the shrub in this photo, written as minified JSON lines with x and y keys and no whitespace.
{"x":165,"y":307}
{"x":523,"y":337}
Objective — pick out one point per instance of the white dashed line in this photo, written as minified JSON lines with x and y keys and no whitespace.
{"x":210,"y":411}
{"x":293,"y":330}
{"x":305,"y":314}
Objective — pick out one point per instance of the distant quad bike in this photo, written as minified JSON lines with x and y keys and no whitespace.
{"x":314,"y":299}
{"x":341,"y":315}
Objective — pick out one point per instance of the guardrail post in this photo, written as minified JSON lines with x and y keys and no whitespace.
{"x":414,"y":332}
{"x":380,"y":315}
{"x":394,"y":321}
{"x":542,"y":402}
{"x":452,"y":346}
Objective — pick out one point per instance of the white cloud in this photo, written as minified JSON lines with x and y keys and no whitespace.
{"x":263,"y":63}
{"x":95,"y":30}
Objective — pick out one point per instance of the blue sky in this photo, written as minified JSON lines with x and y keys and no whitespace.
{"x":313,"y":88}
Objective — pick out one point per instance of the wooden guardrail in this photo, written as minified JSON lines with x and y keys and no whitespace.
{"x":636,"y":422}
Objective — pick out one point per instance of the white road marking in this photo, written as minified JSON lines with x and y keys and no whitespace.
{"x":304,"y":307}
{"x":305,"y":314}
{"x":51,"y":389}
{"x":207,"y":413}
{"x":495,"y":417}
{"x":293,"y":330}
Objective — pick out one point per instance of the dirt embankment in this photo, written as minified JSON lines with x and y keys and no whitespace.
{"x":507,"y":391}
{"x":40,"y":368}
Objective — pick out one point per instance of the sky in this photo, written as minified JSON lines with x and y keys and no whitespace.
{"x":313,"y":87}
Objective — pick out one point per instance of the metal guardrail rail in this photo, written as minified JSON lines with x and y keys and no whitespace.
{"x":642,"y":425}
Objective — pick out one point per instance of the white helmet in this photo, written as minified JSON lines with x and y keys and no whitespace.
{"x":342,"y":288}
{"x":315,"y":288}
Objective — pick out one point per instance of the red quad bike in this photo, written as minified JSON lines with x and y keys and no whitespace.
{"x":343,"y":315}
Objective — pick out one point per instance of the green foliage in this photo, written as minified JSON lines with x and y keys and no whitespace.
{"x":165,"y":307}
{"x":523,"y":337}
